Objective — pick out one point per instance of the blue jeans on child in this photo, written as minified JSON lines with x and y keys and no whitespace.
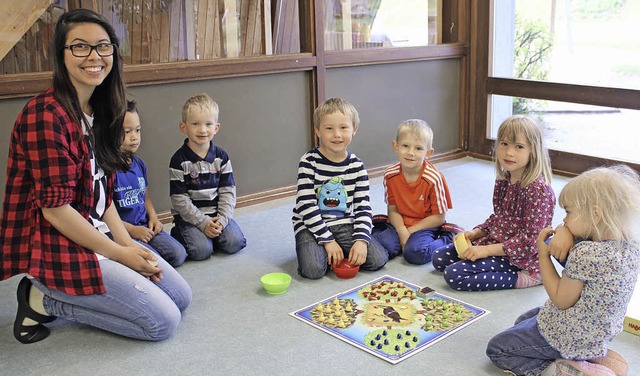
{"x":521,"y":349}
{"x":132,"y":306}
{"x":491,"y":273}
{"x":419,"y":246}
{"x":200,"y":247}
{"x":167,"y":247}
{"x":313,"y":260}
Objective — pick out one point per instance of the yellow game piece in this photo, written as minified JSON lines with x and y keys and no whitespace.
{"x":461,"y":243}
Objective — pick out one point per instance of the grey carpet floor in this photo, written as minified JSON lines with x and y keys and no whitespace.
{"x":234,"y":328}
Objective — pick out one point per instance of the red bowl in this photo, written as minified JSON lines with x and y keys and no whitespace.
{"x":344,"y":270}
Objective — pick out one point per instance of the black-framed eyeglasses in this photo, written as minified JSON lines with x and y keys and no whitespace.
{"x":84,"y":50}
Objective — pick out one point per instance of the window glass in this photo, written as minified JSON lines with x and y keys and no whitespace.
{"x":351,"y":24}
{"x":604,"y":132}
{"x":161,"y":31}
{"x":584,"y":42}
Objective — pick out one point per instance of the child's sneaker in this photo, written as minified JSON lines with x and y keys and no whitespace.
{"x":580,"y":368}
{"x":614,"y":361}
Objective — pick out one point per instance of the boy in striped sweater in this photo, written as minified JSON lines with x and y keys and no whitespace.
{"x":332,"y":216}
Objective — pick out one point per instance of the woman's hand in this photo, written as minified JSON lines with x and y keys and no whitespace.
{"x":141,"y":260}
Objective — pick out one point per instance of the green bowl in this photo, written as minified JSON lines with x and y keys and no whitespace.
{"x":276,"y":283}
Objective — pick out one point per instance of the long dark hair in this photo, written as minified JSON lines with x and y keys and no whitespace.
{"x":108,"y":100}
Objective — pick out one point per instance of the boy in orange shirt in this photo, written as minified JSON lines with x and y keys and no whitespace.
{"x":417,"y":198}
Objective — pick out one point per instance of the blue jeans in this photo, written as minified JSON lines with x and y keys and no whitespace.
{"x":313,"y":260}
{"x":200,"y":247}
{"x":521,"y":349}
{"x":132,"y":306}
{"x":167,"y":247}
{"x":419,"y":246}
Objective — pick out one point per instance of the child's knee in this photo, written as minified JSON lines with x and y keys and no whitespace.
{"x":234,"y":244}
{"x":377,"y":256}
{"x":417,"y":255}
{"x":199,"y":252}
{"x":312,"y":271}
{"x":442,"y":257}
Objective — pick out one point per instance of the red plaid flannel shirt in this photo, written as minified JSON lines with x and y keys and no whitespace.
{"x":49,"y":166}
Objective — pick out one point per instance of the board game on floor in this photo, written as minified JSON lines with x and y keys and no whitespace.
{"x":390,"y":318}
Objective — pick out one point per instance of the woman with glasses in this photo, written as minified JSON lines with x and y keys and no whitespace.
{"x":58,"y":224}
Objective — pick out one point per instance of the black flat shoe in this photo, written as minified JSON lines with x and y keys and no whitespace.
{"x":29,"y":333}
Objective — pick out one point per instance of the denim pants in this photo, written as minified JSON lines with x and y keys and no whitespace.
{"x":167,"y":247}
{"x":200,"y":247}
{"x":313,"y":260}
{"x":419,"y":246}
{"x":132,"y":306}
{"x":521,"y":349}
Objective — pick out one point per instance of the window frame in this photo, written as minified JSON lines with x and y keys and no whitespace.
{"x":485,"y":85}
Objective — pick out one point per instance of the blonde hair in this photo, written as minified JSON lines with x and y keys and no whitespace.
{"x":539,"y":162}
{"x":333,"y":105}
{"x":418,"y":128}
{"x":201,"y":102}
{"x":615,"y":191}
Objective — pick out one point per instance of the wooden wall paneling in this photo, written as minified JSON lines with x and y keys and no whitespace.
{"x":108,"y":11}
{"x":135,"y":29}
{"x":165,"y":32}
{"x":201,"y":27}
{"x":128,"y":41}
{"x":230,"y":27}
{"x":280,"y":16}
{"x":189,"y":22}
{"x":174,"y":33}
{"x":266,"y":27}
{"x":10,"y":62}
{"x":20,"y":55}
{"x":254,"y":28}
{"x":218,"y":45}
{"x":16,"y":18}
{"x":287,"y":31}
{"x":245,"y":48}
{"x":147,"y":30}
{"x":294,"y":27}
{"x":154,"y":31}
{"x":305,"y":21}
